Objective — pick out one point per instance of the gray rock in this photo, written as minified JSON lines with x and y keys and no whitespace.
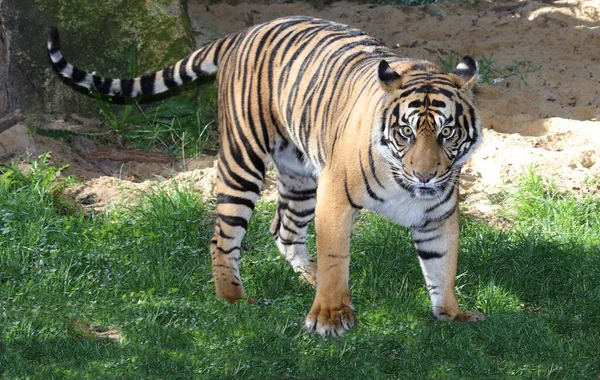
{"x":95,"y":35}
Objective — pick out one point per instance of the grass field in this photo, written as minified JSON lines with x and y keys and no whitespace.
{"x":142,"y":275}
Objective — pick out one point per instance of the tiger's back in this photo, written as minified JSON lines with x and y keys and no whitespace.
{"x":337,"y":110}
{"x":301,"y":78}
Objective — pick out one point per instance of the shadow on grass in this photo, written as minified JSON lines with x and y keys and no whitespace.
{"x":540,"y":293}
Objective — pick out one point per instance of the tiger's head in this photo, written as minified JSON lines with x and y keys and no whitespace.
{"x":429,"y":126}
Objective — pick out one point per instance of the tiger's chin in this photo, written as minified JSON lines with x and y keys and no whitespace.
{"x":426,"y":192}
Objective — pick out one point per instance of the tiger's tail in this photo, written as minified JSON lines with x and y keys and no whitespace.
{"x":201,"y":62}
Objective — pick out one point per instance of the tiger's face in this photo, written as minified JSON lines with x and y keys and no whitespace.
{"x":430,"y":126}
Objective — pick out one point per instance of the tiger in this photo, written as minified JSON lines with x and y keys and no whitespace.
{"x":348,"y":125}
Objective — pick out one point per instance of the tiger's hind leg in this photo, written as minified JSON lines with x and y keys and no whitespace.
{"x":240,"y":177}
{"x":295,"y":210}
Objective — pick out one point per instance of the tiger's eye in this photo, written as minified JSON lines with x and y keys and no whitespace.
{"x":406,"y":131}
{"x":446,"y":132}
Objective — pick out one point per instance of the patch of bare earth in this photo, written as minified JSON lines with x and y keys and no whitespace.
{"x":92,"y":331}
{"x":544,"y":115}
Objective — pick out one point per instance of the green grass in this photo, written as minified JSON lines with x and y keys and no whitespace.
{"x":145,"y":271}
{"x":182,"y":126}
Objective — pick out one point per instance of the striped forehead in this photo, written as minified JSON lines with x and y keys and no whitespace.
{"x":427,"y":95}
{"x":424,"y":110}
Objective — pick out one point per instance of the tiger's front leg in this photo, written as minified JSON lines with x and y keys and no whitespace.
{"x":437,"y":248}
{"x":332,"y":311}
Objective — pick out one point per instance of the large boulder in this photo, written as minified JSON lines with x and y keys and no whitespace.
{"x":95,"y":35}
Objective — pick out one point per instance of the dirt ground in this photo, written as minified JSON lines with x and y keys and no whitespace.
{"x":542,"y":109}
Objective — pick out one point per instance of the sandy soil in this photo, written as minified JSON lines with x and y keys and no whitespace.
{"x":542,"y":110}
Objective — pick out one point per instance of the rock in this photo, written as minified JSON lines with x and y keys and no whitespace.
{"x":203,"y":30}
{"x":587,"y":158}
{"x":95,"y":35}
{"x":11,"y":120}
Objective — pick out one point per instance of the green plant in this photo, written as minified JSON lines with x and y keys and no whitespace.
{"x":488,"y":73}
{"x":42,"y":178}
{"x":449,"y":61}
{"x":175,"y":125}
{"x":491,"y":75}
{"x":104,"y":103}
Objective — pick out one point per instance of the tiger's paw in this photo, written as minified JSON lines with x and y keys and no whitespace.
{"x":469,"y":316}
{"x":308,"y":273}
{"x":330,"y":321}
{"x":232,"y":291}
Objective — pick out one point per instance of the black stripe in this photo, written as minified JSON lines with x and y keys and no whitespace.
{"x":421,"y":229}
{"x":224,"y":235}
{"x":435,"y":81}
{"x":443,"y":201}
{"x":406,"y":93}
{"x":200,"y":57}
{"x":183,"y":72}
{"x":102,"y":85}
{"x":426,"y":240}
{"x":366,"y":181}
{"x":428,"y":255}
{"x":126,"y":87}
{"x":54,"y":37}
{"x":290,"y":242}
{"x":238,"y":155}
{"x":429,"y":90}
{"x":372,"y":166}
{"x":447,"y":214}
{"x":288,"y":229}
{"x":310,"y":191}
{"x":228,"y":251}
{"x":299,"y":214}
{"x":234,"y":221}
{"x":231,"y":199}
{"x":219,"y":45}
{"x":78,"y":75}
{"x":459,"y":110}
{"x":244,"y":184}
{"x":299,"y":198}
{"x":354,"y":205}
{"x":60,"y":65}
{"x":296,"y":222}
{"x":167,"y":76}
{"x":415,"y":104}
{"x":438,"y":103}
{"x":147,"y":84}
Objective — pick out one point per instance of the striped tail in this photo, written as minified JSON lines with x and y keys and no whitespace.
{"x":201,"y":62}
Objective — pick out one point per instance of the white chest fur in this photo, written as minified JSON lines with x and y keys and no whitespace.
{"x":403,"y":209}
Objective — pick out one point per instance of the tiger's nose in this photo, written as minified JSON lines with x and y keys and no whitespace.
{"x":424,"y":177}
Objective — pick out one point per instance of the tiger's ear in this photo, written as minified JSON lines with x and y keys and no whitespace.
{"x":465,"y":73}
{"x":388,"y":78}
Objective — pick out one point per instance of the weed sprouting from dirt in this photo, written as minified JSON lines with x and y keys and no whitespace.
{"x":488,"y":71}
